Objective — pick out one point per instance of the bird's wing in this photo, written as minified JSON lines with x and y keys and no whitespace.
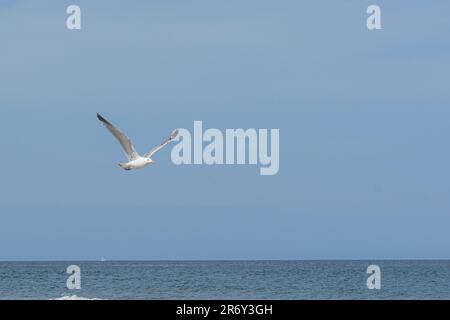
{"x":122,"y":138}
{"x":160,"y":146}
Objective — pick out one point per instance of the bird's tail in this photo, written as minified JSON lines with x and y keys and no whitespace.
{"x":124,"y":166}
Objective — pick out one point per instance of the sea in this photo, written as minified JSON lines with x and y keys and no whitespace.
{"x":402,"y":279}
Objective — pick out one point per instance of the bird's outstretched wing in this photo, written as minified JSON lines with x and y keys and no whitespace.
{"x":160,"y":146}
{"x":122,"y":138}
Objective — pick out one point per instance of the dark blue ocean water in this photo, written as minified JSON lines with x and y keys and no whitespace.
{"x":227,"y":280}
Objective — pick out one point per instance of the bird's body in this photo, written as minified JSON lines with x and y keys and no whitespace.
{"x":135,"y":161}
{"x":138,"y":163}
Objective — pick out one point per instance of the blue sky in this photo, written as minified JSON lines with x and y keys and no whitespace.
{"x":363,"y":115}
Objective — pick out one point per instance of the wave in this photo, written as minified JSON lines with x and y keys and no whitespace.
{"x":75,"y":297}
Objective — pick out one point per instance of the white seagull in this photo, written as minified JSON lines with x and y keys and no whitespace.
{"x":135,"y":161}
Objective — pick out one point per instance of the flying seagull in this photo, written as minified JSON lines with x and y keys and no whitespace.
{"x":135,"y":161}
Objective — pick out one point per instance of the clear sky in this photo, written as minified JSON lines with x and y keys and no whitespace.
{"x":364,"y":121}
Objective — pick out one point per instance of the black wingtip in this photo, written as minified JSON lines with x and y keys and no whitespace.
{"x":174,"y":134}
{"x":101,"y":118}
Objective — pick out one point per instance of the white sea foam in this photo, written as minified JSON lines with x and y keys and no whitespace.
{"x":74,"y":297}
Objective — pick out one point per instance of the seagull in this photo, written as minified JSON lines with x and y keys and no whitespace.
{"x":135,"y":161}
